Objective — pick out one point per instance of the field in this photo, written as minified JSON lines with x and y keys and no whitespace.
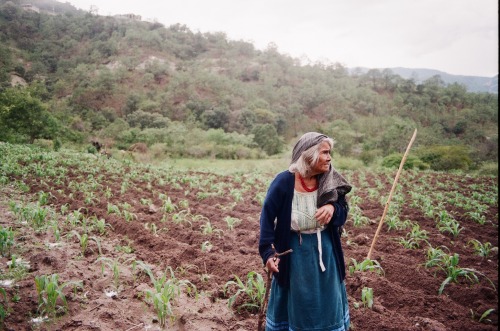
{"x":90,"y":243}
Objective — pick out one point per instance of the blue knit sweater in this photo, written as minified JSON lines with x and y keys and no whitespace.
{"x":278,"y":206}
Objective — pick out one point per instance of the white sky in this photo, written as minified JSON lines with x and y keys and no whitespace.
{"x":455,"y":36}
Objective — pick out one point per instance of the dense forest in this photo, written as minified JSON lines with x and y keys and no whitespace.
{"x":179,"y":93}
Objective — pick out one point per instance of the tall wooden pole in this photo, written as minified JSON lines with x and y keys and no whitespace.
{"x":390,"y":194}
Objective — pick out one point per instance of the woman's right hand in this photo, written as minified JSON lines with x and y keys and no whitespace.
{"x":272,"y":264}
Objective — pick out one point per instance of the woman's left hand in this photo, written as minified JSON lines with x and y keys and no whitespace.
{"x":324,"y":214}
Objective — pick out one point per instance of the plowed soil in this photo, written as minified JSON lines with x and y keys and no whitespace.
{"x":405,"y":294}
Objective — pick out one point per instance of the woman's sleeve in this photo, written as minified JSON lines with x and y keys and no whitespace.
{"x":268,"y":215}
{"x":341,"y":210}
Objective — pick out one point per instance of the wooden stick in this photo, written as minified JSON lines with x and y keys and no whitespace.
{"x":390,"y":194}
{"x":262,"y":314}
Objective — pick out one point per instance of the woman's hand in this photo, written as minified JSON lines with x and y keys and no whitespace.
{"x":272,"y":264}
{"x":324,"y":214}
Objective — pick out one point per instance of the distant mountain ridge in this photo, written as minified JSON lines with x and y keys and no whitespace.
{"x":472,"y":83}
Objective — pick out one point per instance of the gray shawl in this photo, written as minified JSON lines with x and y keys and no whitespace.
{"x":331,"y":183}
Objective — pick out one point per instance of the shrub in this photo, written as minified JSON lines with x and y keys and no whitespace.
{"x":394,"y":160}
{"x":446,"y":157}
{"x":488,"y":169}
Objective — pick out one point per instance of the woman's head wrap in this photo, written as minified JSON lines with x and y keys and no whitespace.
{"x":330,"y":183}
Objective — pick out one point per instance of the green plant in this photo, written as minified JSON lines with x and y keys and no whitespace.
{"x":367,"y":297}
{"x":414,"y":237}
{"x":486,"y":314}
{"x":43,"y":198}
{"x":481,"y":249}
{"x":207,"y":228}
{"x":452,"y":227}
{"x":365,"y":265}
{"x":232,"y":222}
{"x":477,"y":217}
{"x":3,"y":309}
{"x":483,"y":316}
{"x":17,"y":269}
{"x":168,"y":206}
{"x":254,"y":290}
{"x":164,"y":291}
{"x":100,"y":225}
{"x":434,"y":256}
{"x":6,"y":241}
{"x":114,"y":265}
{"x":113,"y":209}
{"x":453,"y":271}
{"x":49,"y":291}
{"x":358,"y":219}
{"x":84,"y":241}
{"x":206,"y":246}
{"x":129,"y":216}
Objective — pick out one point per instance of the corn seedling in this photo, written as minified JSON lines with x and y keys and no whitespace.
{"x":90,"y":198}
{"x":357,"y":217}
{"x":6,"y":241}
{"x":254,"y":291}
{"x":84,"y":241}
{"x":100,"y":225}
{"x":452,"y":227}
{"x":49,"y":291}
{"x":154,"y":228}
{"x":113,"y":209}
{"x":181,"y":217}
{"x":367,"y":297}
{"x":185,"y":268}
{"x":17,"y":269}
{"x":168,"y":206}
{"x":164,"y":292}
{"x":365,"y":265}
{"x":206,"y":246}
{"x":124,"y":187}
{"x":145,"y":201}
{"x":129,"y":216}
{"x":36,"y":216}
{"x":3,"y":309}
{"x":114,"y":266}
{"x":485,"y":315}
{"x":453,"y":271}
{"x":260,"y":197}
{"x":237,"y":195}
{"x":434,"y":256}
{"x":108,"y":193}
{"x":207,"y":228}
{"x":232,"y":222}
{"x":481,"y":249}
{"x":476,"y":217}
{"x":184,"y":204}
{"x":43,"y":198}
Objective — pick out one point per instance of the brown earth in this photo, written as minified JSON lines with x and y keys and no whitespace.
{"x":405,"y":295}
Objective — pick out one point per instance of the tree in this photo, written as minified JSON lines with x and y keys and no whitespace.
{"x":24,"y":118}
{"x":215,"y":118}
{"x":266,"y":137}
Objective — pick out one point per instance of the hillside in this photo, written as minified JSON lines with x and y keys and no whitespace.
{"x":183,"y":94}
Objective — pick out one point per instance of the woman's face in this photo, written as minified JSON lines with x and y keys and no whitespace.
{"x":323,"y":164}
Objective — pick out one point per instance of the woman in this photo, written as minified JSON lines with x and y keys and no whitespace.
{"x":304,"y":210}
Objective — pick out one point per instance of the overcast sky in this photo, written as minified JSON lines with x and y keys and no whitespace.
{"x":455,"y":36}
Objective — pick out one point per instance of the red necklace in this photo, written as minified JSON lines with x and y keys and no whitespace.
{"x":304,"y":186}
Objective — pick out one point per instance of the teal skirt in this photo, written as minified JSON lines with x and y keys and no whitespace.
{"x":315,"y":300}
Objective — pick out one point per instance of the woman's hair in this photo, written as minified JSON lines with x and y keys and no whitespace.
{"x":308,"y":159}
